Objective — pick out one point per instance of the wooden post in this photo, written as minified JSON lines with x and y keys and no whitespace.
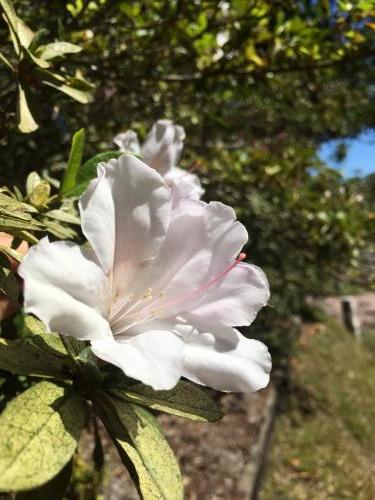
{"x":350,"y":315}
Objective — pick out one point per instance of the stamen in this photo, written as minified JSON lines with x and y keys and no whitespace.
{"x":138,"y":307}
{"x":143,"y":313}
{"x":148,"y":294}
{"x":222,"y":275}
{"x":205,"y":286}
{"x":120,"y":306}
{"x":136,"y":322}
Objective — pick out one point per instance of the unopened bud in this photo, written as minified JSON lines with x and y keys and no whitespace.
{"x":40,"y":194}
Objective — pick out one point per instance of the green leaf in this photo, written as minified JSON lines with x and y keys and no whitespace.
{"x":36,"y":41}
{"x":9,"y":12}
{"x":32,"y":58}
{"x":79,"y":352}
{"x":142,"y":447}
{"x":11,"y":19}
{"x":34,"y":357}
{"x":26,"y":122}
{"x":16,"y":212}
{"x":7,"y":62}
{"x":11,"y":202}
{"x":81,"y":96}
{"x":88,"y":171}
{"x":184,"y":400}
{"x":198,"y":26}
{"x":26,"y":236}
{"x":90,"y":378}
{"x":10,"y":223}
{"x":56,"y":49}
{"x":21,"y":34}
{"x":48,"y":341}
{"x":252,"y":54}
{"x":75,"y":356}
{"x":74,"y":162}
{"x":74,"y":347}
{"x":80,"y":83}
{"x":75,"y":7}
{"x":62,"y":84}
{"x":63,"y":216}
{"x":273,"y":169}
{"x":17,"y":192}
{"x":16,"y":215}
{"x":25,"y":34}
{"x":39,"y":354}
{"x":61,"y":232}
{"x":55,"y":488}
{"x":13,"y":37}
{"x":39,"y":434}
{"x":9,"y":252}
{"x":98,"y":453}
{"x":8,"y":281}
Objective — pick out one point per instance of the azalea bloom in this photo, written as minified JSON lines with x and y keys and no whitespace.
{"x":160,"y":287}
{"x":162,"y":150}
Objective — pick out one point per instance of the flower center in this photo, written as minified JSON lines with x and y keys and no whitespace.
{"x":129,"y":312}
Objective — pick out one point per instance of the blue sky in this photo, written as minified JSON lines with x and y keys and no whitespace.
{"x":360,"y":159}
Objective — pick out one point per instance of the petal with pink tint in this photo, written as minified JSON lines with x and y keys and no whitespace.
{"x":133,"y":208}
{"x":233,"y":300}
{"x":202,"y":240}
{"x":197,"y":260}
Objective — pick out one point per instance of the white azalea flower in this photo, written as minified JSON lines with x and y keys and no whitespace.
{"x":160,"y":288}
{"x":128,"y":142}
{"x":162,"y":150}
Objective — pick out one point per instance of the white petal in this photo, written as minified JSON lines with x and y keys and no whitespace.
{"x":202,"y":242}
{"x":65,"y":289}
{"x":141,"y":204}
{"x":128,"y":142}
{"x":97,"y":210}
{"x":153,"y":357}
{"x":183,"y":184}
{"x":233,"y":300}
{"x":163,"y":146}
{"x":224,"y":366}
